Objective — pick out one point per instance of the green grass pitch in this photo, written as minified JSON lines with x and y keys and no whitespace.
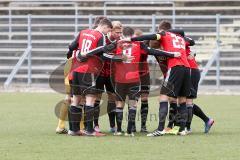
{"x":28,"y":133}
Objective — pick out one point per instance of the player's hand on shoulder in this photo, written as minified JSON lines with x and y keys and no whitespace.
{"x":127,"y":58}
{"x":177,"y":54}
{"x":81,"y":56}
{"x":124,"y":40}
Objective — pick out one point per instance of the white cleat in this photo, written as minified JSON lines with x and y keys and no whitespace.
{"x":188,"y":131}
{"x":118,"y":134}
{"x":182,"y":133}
{"x":97,"y":129}
{"x":72,"y":133}
{"x":129,"y":135}
{"x":156,"y":133}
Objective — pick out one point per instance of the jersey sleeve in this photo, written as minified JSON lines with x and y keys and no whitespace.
{"x":147,"y":37}
{"x":155,"y":52}
{"x":114,"y":58}
{"x":73,"y":46}
{"x":101,"y":42}
{"x":102,"y":49}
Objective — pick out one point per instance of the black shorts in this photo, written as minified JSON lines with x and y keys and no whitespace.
{"x":84,"y":83}
{"x":195,"y":77}
{"x":177,"y":82}
{"x":105,"y":81}
{"x":145,"y":83}
{"x":132,"y":90}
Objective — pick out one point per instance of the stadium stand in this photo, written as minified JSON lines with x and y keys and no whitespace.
{"x":54,"y":26}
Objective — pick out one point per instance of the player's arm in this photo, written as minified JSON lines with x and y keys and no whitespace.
{"x":73,"y":46}
{"x":100,"y":49}
{"x":177,"y":31}
{"x":146,"y":37}
{"x":157,"y":52}
{"x":116,"y":58}
{"x":190,"y":41}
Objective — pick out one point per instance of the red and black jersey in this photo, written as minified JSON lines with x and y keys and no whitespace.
{"x":174,"y":43}
{"x":128,"y":72}
{"x":192,"y":62}
{"x":89,"y":40}
{"x":106,"y":69}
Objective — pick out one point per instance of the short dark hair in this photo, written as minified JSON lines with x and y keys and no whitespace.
{"x":128,"y":31}
{"x":107,"y":22}
{"x":97,"y":21}
{"x":164,"y":25}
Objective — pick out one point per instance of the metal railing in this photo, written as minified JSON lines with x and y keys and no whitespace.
{"x":214,"y":24}
{"x":215,"y":56}
{"x":26,"y":54}
{"x":39,"y":2}
{"x":142,"y":2}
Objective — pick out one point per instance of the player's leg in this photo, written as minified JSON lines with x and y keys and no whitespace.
{"x":90,"y":93}
{"x":121,"y":93}
{"x":194,"y":79}
{"x":182,"y":99}
{"x":133,"y":90}
{"x":131,"y":116}
{"x":75,"y":111}
{"x":181,"y":119}
{"x":190,"y":114}
{"x":145,"y":88}
{"x":169,"y":88}
{"x":111,"y":109}
{"x":111,"y":106}
{"x":97,"y":112}
{"x":82,"y":122}
{"x":61,"y":129}
{"x":100,"y":82}
{"x":172,"y":113}
{"x":119,"y":117}
{"x":196,"y":110}
{"x":208,"y":121}
{"x":144,"y":111}
{"x":89,"y":112}
{"x":74,"y":116}
{"x":162,"y":114}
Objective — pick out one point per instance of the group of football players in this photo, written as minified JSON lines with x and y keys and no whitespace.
{"x":113,"y":59}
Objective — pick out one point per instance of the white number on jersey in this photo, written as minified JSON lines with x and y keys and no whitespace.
{"x":178,"y":42}
{"x":127,"y":52}
{"x":86,"y":44}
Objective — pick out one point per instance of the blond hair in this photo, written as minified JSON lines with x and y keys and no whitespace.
{"x":117,"y":25}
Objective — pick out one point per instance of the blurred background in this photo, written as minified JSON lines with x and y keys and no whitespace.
{"x":34,"y":36}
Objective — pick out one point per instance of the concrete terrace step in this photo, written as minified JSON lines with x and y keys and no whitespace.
{"x":224,"y":80}
{"x":36,"y":69}
{"x":35,"y":41}
{"x":35,"y":49}
{"x":231,"y":78}
{"x":35,"y":33}
{"x":34,"y":76}
{"x":122,"y":8}
{"x":34,"y":58}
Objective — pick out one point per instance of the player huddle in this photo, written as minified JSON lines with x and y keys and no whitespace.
{"x":112,"y":58}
